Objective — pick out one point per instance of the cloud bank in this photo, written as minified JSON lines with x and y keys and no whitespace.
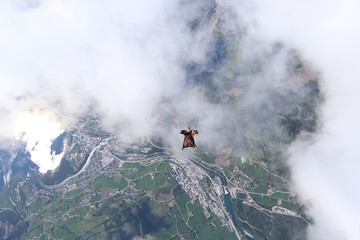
{"x":68,"y":55}
{"x":136,"y":63}
{"x":324,"y":168}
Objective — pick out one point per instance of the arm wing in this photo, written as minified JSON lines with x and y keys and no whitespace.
{"x":193,"y":132}
{"x":183,"y":132}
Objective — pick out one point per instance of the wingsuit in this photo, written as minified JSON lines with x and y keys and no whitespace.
{"x":189,"y":140}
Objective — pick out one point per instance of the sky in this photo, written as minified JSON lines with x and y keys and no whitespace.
{"x":129,"y":58}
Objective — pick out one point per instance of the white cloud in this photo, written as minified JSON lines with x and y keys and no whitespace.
{"x":124,"y":56}
{"x":325,"y":167}
{"x":38,"y":130}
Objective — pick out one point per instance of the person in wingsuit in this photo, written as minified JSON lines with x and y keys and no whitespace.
{"x":189,"y":140}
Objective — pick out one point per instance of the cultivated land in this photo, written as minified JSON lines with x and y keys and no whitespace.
{"x":123,"y":191}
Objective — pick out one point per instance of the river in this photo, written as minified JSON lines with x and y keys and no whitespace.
{"x":229,"y":204}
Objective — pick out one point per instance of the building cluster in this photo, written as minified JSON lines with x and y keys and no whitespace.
{"x":190,"y":180}
{"x":240,"y":179}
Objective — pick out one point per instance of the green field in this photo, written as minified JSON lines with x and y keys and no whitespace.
{"x":264,"y":201}
{"x":102,"y":182}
